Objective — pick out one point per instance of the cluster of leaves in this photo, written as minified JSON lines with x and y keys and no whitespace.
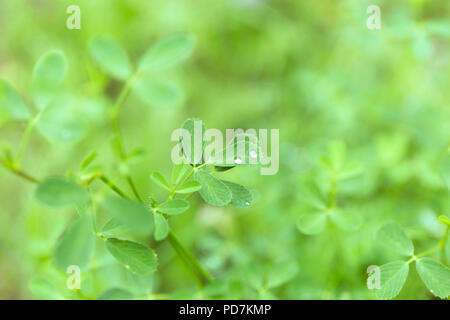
{"x":319,"y":206}
{"x":131,"y":223}
{"x":434,"y":274}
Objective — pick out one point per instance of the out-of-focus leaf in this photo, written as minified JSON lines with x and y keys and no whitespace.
{"x":135,"y":257}
{"x":48,"y":75}
{"x":88,"y":160}
{"x":281,"y":273}
{"x":167,"y":53}
{"x":158,"y":93}
{"x":346,"y":219}
{"x":76,"y":246}
{"x":59,"y":191}
{"x":115,"y":294}
{"x":312,"y":223}
{"x":11,"y":103}
{"x":42,"y":288}
{"x":111,"y":57}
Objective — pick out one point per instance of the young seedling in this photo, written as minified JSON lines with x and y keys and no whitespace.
{"x":130,"y":217}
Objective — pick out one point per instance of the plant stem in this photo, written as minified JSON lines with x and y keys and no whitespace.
{"x":116,"y":128}
{"x":201,"y":273}
{"x":26,"y":138}
{"x":440,"y":246}
{"x":108,"y":182}
{"x":21,"y":173}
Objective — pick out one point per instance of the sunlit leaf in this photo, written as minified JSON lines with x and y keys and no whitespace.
{"x":281,"y":273}
{"x":134,"y":256}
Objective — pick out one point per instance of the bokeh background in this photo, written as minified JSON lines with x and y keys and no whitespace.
{"x":309,"y":68}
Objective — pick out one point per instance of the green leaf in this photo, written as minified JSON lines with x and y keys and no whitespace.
{"x":178,"y":172}
{"x":346,"y":219}
{"x":11,"y":103}
{"x":392,"y":236}
{"x":130,"y":214}
{"x":88,"y":160}
{"x":115,"y":294}
{"x":58,"y":192}
{"x":159,"y":179}
{"x":312,"y":223}
{"x":161,"y":227}
{"x":242,"y":150}
{"x":241,"y":197}
{"x":111,"y":57}
{"x":392,"y":278}
{"x":444,"y":219}
{"x":435,"y":275}
{"x":59,"y":124}
{"x":167,"y":53}
{"x":76,"y":245}
{"x":350,"y":171}
{"x":281,"y":273}
{"x":173,"y":207}
{"x":137,"y":258}
{"x":213,"y":191}
{"x":161,"y":94}
{"x":193,"y":147}
{"x":189,"y":187}
{"x":48,"y":74}
{"x":42,"y":288}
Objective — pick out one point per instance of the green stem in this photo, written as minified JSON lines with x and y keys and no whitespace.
{"x":26,"y":138}
{"x":116,"y":128}
{"x":21,"y":173}
{"x":108,"y":182}
{"x":440,"y":246}
{"x":201,"y":273}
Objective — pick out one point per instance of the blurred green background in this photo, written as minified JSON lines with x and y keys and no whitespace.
{"x":309,"y":68}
